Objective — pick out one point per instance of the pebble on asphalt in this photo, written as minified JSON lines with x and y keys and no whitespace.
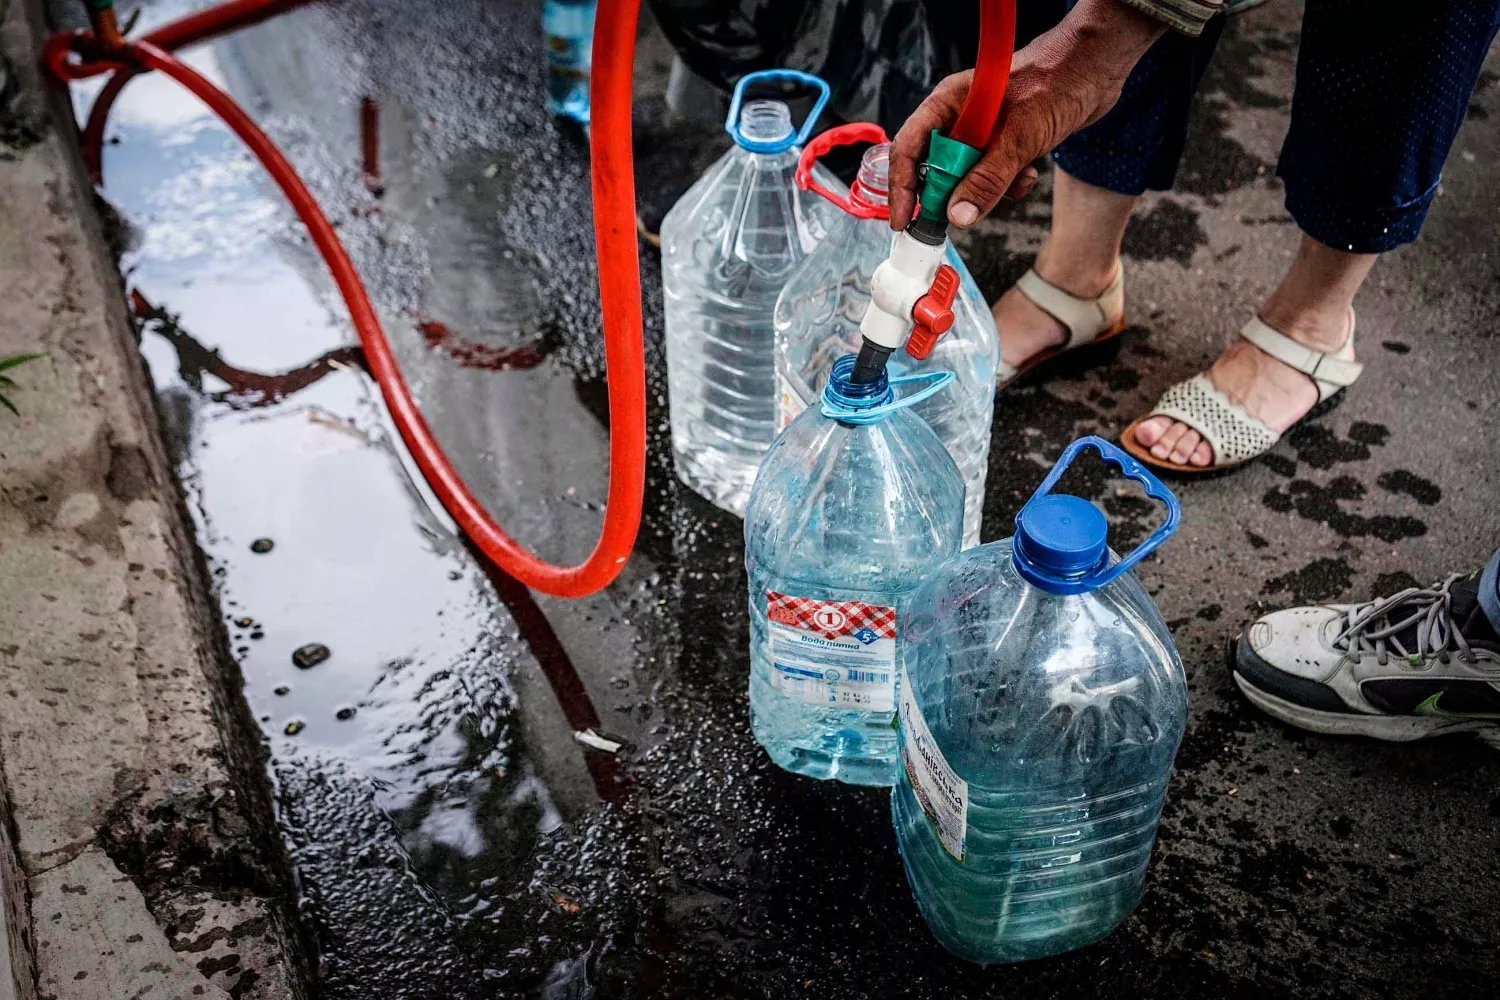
{"x":294,"y":727}
{"x":309,"y":656}
{"x":344,"y":714}
{"x":261,"y":546}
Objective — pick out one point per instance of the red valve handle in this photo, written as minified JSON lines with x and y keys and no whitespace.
{"x":843,"y":135}
{"x":933,"y":313}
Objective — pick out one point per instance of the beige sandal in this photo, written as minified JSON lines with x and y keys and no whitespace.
{"x":1088,"y":321}
{"x":1235,"y":436}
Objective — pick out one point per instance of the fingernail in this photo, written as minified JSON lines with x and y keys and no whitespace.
{"x":962,"y":214}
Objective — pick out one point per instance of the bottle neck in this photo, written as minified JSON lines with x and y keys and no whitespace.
{"x":871,"y":186}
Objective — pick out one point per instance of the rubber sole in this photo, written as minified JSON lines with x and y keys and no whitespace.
{"x":1031,"y":364}
{"x":1392,"y":728}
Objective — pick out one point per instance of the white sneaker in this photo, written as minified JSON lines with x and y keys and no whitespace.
{"x":1420,"y":663}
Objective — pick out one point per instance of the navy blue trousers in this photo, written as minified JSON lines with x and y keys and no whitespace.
{"x":1382,"y":88}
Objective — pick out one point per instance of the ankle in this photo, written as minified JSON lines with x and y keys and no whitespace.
{"x":1082,"y":274}
{"x":1321,"y":326}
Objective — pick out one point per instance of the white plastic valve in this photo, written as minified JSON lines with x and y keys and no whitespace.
{"x":897,"y":284}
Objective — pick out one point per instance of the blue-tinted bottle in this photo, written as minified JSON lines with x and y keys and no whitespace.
{"x":1041,"y":706}
{"x":568,"y":29}
{"x":848,"y":515}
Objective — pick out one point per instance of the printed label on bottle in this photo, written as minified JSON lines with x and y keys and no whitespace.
{"x":941,"y":793}
{"x":836,"y":653}
{"x":789,"y":402}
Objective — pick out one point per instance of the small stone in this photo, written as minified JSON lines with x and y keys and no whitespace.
{"x":257,"y":634}
{"x":294,"y":727}
{"x":283,"y":691}
{"x":261,"y":546}
{"x":454,"y":574}
{"x":309,"y":656}
{"x":344,"y":714}
{"x":244,"y":622}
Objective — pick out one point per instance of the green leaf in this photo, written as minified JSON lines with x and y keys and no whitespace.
{"x":9,"y":405}
{"x":7,"y":382}
{"x":19,"y":359}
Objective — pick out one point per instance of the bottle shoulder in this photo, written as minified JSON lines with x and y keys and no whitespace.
{"x":1008,"y":674}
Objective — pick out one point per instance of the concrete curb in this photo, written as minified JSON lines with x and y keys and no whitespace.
{"x":133,"y":780}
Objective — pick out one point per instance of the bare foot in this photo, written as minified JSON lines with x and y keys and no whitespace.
{"x":1269,"y":390}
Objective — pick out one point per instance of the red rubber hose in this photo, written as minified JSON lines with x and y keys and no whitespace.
{"x":619,"y":285}
{"x":997,"y":40}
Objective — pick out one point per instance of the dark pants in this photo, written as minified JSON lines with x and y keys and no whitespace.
{"x":1382,"y":88}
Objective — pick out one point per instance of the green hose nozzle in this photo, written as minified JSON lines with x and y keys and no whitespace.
{"x":947,"y":162}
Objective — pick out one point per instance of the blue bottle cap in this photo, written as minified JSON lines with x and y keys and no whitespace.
{"x":1062,"y":536}
{"x":1061,"y":540}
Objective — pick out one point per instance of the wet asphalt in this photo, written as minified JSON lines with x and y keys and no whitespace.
{"x":450,"y":835}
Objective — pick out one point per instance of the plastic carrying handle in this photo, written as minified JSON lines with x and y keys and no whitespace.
{"x":732,"y":122}
{"x":842,"y":135}
{"x":1131,"y":469}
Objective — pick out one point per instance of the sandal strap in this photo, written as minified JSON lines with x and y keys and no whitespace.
{"x":1234,"y":435}
{"x":1330,"y":371}
{"x":1084,"y":319}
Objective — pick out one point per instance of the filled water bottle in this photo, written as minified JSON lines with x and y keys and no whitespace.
{"x":1041,"y":704}
{"x":727,"y":248}
{"x":568,"y":28}
{"x":818,"y":314}
{"x":856,"y":503}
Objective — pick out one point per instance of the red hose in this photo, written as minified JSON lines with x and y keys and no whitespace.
{"x":997,"y":40}
{"x":619,"y":277}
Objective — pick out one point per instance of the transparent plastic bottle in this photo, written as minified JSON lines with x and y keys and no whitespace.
{"x":727,"y":247}
{"x":568,"y":27}
{"x":1041,"y":706}
{"x":847,"y":518}
{"x":817,"y":320}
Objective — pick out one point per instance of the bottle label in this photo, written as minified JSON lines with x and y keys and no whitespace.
{"x":941,"y":793}
{"x":830,"y":652}
{"x":789,"y":402}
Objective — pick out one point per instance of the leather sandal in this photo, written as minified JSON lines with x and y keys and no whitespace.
{"x":1236,"y":436}
{"x":1088,"y":321}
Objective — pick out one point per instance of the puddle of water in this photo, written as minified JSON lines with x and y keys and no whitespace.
{"x":452,"y":838}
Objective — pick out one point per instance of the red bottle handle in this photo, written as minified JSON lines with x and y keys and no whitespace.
{"x":843,"y":135}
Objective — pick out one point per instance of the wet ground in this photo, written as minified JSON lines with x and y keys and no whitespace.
{"x":452,"y":834}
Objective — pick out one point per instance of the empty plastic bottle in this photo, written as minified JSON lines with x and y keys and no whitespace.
{"x":818,"y":314}
{"x":727,"y":248}
{"x":856,"y":503}
{"x":568,"y":26}
{"x":1041,"y":706}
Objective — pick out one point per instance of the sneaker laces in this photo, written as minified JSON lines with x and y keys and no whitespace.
{"x":1372,"y":628}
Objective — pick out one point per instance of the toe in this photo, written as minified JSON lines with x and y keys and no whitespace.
{"x":1203,"y":455}
{"x":1185,"y":446}
{"x":1168,"y":441}
{"x":1148,"y":432}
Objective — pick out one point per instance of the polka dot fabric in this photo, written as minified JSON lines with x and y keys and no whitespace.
{"x":1381,"y":90}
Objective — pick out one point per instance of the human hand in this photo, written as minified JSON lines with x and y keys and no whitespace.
{"x":1064,"y":80}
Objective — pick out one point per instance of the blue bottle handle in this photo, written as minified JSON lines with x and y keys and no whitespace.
{"x":1132,"y":470}
{"x":732,"y":123}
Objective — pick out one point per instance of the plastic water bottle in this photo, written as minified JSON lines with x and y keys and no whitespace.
{"x":817,"y":319}
{"x":569,"y":29}
{"x":1041,"y":706}
{"x":727,"y":247}
{"x":856,"y":503}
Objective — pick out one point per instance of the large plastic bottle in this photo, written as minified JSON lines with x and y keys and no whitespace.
{"x":1041,"y":706}
{"x":818,"y":314}
{"x":568,"y":29}
{"x":727,"y":247}
{"x":856,"y":503}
